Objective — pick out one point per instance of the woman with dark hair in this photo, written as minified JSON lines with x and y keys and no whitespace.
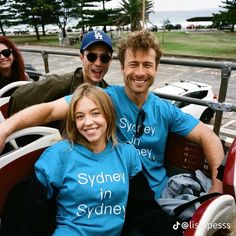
{"x":12,"y":66}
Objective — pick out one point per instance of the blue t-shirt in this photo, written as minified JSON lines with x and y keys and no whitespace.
{"x":91,"y":189}
{"x":161,"y":118}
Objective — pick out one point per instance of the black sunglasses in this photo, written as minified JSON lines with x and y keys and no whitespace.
{"x":6,"y":52}
{"x":92,"y":57}
{"x":139,"y":123}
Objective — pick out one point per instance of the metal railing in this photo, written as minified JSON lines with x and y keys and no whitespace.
{"x":225,"y":67}
{"x":220,"y":106}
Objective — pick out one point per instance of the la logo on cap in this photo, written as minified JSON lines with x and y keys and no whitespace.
{"x":97,"y":35}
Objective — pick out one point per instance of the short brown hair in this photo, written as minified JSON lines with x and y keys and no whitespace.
{"x":143,"y":39}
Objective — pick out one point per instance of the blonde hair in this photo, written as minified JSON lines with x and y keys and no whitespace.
{"x":105,"y":106}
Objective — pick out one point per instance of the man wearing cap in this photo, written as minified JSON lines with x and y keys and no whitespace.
{"x":96,"y":52}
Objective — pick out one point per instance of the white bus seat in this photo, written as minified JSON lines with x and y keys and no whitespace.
{"x":11,"y":86}
{"x":16,"y":165}
{"x":4,"y":102}
{"x":212,"y":215}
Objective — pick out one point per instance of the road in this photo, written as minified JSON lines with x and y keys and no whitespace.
{"x":166,"y":73}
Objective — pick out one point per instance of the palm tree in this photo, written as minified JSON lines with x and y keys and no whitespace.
{"x":132,"y":13}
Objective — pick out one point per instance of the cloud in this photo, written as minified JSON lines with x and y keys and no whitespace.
{"x":182,"y":5}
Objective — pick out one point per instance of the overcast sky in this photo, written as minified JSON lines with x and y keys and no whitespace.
{"x":181,"y":5}
{"x":177,"y":5}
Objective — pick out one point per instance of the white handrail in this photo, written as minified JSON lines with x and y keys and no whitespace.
{"x":12,"y":85}
{"x":36,"y":130}
{"x":50,"y":136}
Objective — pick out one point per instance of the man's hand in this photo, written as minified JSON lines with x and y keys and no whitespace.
{"x":217,"y":186}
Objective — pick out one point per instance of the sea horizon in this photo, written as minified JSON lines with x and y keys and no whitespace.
{"x":156,"y":18}
{"x":180,"y":17}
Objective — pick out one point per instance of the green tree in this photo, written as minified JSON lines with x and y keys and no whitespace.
{"x":42,"y":12}
{"x":166,"y":22}
{"x":25,"y":14}
{"x":66,"y":9}
{"x":45,"y":10}
{"x":85,"y":14}
{"x":132,"y":13}
{"x":35,"y":13}
{"x":227,"y":16}
{"x":5,"y":15}
{"x":97,"y":14}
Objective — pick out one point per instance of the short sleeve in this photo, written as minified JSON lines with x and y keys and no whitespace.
{"x":68,"y":98}
{"x":47,"y":170}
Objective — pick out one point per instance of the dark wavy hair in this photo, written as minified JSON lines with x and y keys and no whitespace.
{"x":18,"y":66}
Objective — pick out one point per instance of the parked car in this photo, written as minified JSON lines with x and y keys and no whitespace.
{"x":194,"y":90}
{"x":19,"y":31}
{"x":52,"y":31}
{"x":226,"y":27}
{"x":153,"y":28}
{"x":173,"y":27}
{"x":191,"y":26}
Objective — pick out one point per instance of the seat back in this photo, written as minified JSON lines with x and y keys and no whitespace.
{"x":18,"y":164}
{"x":4,"y":101}
{"x":4,"y":104}
{"x":215,"y":213}
{"x":183,"y":155}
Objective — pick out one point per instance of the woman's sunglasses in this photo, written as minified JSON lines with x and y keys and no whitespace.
{"x":6,"y":52}
{"x":92,"y":57}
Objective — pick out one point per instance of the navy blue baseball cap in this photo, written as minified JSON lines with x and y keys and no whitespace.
{"x":95,"y":37}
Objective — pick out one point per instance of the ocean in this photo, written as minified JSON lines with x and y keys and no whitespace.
{"x":157,"y":18}
{"x":175,"y":17}
{"x":180,"y":17}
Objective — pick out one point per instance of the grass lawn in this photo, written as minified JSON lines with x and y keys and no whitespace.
{"x":49,"y":40}
{"x":210,"y":44}
{"x":204,"y":44}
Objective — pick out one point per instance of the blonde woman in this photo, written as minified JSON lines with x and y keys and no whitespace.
{"x":90,"y":171}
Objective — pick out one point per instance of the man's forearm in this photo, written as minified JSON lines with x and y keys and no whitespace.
{"x":214,"y":153}
{"x":212,"y":147}
{"x":40,"y":114}
{"x":31,"y":116}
